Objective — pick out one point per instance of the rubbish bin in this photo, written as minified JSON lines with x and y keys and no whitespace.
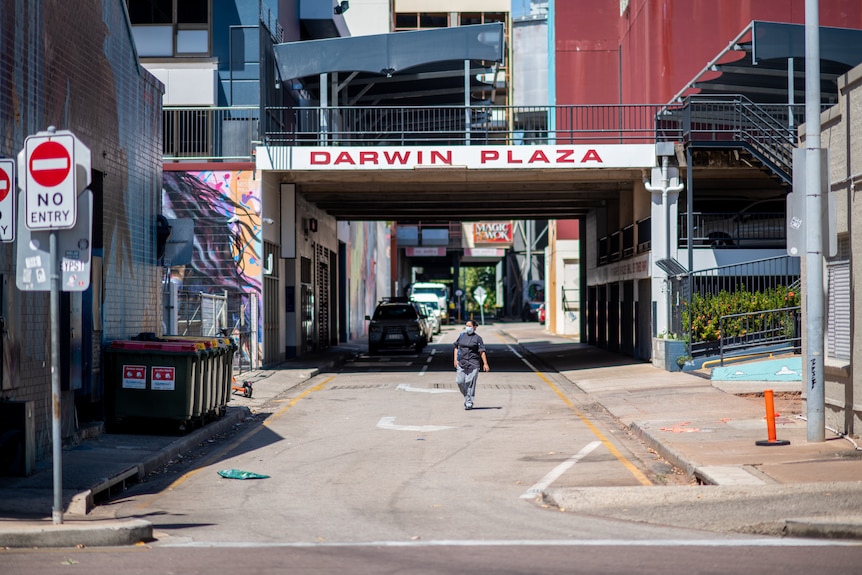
{"x":155,"y":380}
{"x":216,"y":393}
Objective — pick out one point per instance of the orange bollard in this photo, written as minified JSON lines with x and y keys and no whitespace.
{"x":770,"y":422}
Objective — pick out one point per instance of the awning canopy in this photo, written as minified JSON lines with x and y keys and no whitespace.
{"x":423,"y":67}
{"x":755,"y":64}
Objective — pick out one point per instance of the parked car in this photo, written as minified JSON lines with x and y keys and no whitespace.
{"x":760,"y":224}
{"x":431,"y":318}
{"x":396,"y":324}
{"x":541,"y":314}
{"x":433,"y":305}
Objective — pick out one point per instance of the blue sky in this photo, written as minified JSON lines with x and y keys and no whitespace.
{"x":520,"y":8}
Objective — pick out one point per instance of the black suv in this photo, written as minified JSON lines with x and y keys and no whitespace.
{"x":396,"y":323}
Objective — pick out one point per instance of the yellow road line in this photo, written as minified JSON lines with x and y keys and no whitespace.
{"x":219,"y":454}
{"x":639,"y":475}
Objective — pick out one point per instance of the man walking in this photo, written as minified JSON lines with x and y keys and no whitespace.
{"x":469,"y":351}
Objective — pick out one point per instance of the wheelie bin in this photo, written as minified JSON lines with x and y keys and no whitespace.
{"x":154,"y":380}
{"x":214,"y":350}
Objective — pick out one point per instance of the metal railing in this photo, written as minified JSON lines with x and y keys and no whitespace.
{"x":759,"y":276}
{"x":230,"y":133}
{"x":734,"y":230}
{"x":767,"y":131}
{"x":210,"y":133}
{"x":776,"y":329}
{"x":465,"y":125}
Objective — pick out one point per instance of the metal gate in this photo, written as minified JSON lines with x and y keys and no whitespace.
{"x":272,"y":351}
{"x":322,"y":296}
{"x":194,"y":313}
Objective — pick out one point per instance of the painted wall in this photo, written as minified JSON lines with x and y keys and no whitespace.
{"x":228,"y":245}
{"x":73,"y":65}
{"x":647,"y":54}
{"x":367,"y":270}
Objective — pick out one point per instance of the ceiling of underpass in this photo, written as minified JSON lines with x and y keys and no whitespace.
{"x":468,"y":195}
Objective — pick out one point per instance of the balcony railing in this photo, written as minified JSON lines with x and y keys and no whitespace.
{"x":210,"y":134}
{"x":735,"y":230}
{"x":466,"y":125}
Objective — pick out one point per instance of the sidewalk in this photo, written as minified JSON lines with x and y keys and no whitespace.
{"x":709,"y":431}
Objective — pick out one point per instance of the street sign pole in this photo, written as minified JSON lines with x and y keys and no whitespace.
{"x":57,"y":438}
{"x":56,"y":173}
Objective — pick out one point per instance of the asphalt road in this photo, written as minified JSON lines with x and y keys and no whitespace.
{"x":378,"y":468}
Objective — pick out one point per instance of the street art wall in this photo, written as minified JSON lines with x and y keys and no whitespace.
{"x":368,"y":272}
{"x":226,"y":244}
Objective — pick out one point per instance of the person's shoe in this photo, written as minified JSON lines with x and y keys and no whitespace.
{"x":468,"y":406}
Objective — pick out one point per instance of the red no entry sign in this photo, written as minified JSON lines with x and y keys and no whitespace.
{"x":50,"y":164}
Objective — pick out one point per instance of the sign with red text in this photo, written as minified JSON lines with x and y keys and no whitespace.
{"x":493,"y":233}
{"x":134,"y":377}
{"x":56,"y":168}
{"x":163,"y":379}
{"x":425,"y":252}
{"x":7,"y":200}
{"x":455,"y":157}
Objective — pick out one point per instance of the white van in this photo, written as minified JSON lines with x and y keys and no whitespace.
{"x":440,"y":291}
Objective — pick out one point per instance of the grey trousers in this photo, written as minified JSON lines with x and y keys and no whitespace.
{"x":467,"y":383}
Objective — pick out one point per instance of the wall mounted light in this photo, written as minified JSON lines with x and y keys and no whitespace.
{"x":342,"y":7}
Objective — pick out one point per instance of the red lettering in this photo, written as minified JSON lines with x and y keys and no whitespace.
{"x":565,"y":157}
{"x":443,"y":158}
{"x":489,"y":155}
{"x":368,"y":157}
{"x":344,"y":158}
{"x":538,"y":156}
{"x":320,"y":158}
{"x":591,"y":156}
{"x":396,"y":157}
{"x":512,"y":160}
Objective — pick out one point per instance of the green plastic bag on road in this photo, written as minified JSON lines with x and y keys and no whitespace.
{"x":239,"y":474}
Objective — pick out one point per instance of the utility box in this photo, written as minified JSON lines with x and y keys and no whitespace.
{"x":17,"y":438}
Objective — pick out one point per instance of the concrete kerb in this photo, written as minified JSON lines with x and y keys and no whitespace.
{"x":86,"y":533}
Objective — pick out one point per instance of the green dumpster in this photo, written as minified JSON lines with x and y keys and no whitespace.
{"x":154,"y":380}
{"x":216,"y":395}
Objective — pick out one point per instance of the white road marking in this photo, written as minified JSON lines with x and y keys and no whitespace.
{"x":559,"y":470}
{"x":389,"y":423}
{"x":740,"y":542}
{"x":406,"y":387}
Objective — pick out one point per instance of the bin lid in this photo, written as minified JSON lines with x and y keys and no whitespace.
{"x":163,"y":346}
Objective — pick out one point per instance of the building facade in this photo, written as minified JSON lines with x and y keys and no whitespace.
{"x":73,"y":66}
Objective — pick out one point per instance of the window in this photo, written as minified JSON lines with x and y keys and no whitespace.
{"x":469,"y":19}
{"x":169,"y":28}
{"x":434,"y":20}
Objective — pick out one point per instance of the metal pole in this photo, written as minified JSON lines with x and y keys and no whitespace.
{"x":791,"y":95}
{"x":466,"y":102}
{"x":57,"y":513}
{"x":814,"y":237}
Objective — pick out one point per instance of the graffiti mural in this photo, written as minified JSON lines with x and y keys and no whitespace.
{"x":227,"y":243}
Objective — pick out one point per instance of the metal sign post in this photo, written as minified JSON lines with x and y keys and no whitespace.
{"x":57,"y":172}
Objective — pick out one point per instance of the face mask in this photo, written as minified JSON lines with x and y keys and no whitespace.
{"x":469,"y":330}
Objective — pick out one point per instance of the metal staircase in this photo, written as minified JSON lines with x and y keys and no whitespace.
{"x":766,"y":131}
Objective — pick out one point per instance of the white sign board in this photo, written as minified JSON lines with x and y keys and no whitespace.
{"x":33,"y":255}
{"x":56,"y":168}
{"x":469,"y":157}
{"x":480,"y":294}
{"x":7,"y":200}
